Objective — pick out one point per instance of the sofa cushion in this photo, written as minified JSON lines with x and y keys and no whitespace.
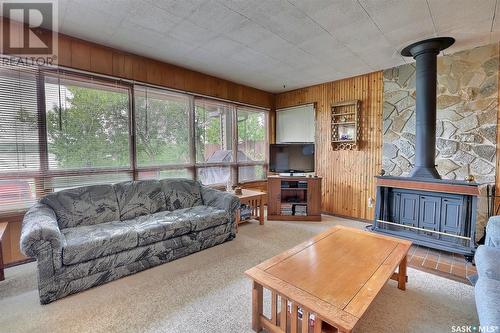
{"x":136,"y":198}
{"x":181,"y":193}
{"x":203,"y":217}
{"x":159,"y":226}
{"x":94,"y":241}
{"x":487,"y":294}
{"x":88,"y":205}
{"x":165,"y":225}
{"x":487,"y":262}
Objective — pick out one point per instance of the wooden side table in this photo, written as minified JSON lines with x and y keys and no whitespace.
{"x":3,"y":228}
{"x":254,"y":199}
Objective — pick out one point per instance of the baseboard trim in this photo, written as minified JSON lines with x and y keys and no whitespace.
{"x":19,"y":262}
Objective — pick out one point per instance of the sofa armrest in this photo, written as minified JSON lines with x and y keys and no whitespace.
{"x":40,"y":229}
{"x":219,"y":199}
{"x":493,"y":232}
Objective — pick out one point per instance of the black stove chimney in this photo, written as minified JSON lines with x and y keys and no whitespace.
{"x":425,"y":53}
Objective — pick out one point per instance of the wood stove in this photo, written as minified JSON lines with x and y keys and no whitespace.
{"x":424,"y":208}
{"x":440,"y":214}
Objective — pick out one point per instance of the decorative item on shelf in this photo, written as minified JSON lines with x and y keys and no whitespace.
{"x":345,"y":125}
{"x":469,"y":178}
{"x":382,"y":172}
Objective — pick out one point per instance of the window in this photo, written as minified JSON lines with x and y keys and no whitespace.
{"x":213,"y":140}
{"x":213,"y":131}
{"x":19,"y":137}
{"x":295,"y":124}
{"x":162,"y":127}
{"x":58,"y":183}
{"x":87,"y":123}
{"x":62,"y":129}
{"x":19,"y":145}
{"x":160,"y":174}
{"x":252,"y":143}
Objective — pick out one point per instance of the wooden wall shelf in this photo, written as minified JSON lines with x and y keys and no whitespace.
{"x":294,"y":198}
{"x":345,"y":125}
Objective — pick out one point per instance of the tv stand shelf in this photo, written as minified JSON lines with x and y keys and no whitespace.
{"x":294,"y":198}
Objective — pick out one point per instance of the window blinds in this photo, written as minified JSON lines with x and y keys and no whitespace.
{"x":19,"y":136}
{"x":295,"y":124}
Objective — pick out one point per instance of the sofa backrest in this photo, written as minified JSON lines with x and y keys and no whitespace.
{"x":97,"y":204}
{"x":181,"y":193}
{"x":81,"y":206}
{"x":136,"y":198}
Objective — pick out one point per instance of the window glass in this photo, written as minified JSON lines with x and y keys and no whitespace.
{"x":162,"y":127}
{"x":19,"y":137}
{"x":213,"y":137}
{"x":87,"y":123}
{"x":252,"y":135}
{"x":251,"y":172}
{"x":218,"y":175}
{"x":19,"y":145}
{"x":161,"y":174}
{"x":65,"y":182}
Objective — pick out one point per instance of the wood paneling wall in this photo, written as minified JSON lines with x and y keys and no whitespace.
{"x":10,"y":245}
{"x":83,"y":55}
{"x":348,"y":176}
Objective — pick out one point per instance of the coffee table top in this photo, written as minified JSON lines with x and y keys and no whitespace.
{"x":249,"y":193}
{"x":336,"y":274}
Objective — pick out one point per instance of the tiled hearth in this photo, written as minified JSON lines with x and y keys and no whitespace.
{"x":446,"y":264}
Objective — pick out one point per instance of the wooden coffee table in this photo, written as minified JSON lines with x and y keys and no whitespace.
{"x":334,"y":276}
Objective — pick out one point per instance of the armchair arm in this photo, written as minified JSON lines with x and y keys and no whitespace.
{"x":219,"y":199}
{"x":493,"y":232}
{"x":40,"y":229}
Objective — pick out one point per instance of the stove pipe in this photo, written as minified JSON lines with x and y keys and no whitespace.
{"x":425,"y":53}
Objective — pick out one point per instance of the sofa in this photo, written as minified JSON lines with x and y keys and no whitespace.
{"x":87,"y":236}
{"x":487,"y":287}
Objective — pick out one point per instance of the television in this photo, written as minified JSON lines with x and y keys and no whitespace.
{"x":291,"y":157}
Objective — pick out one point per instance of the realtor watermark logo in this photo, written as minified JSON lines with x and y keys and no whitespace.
{"x":475,"y":329}
{"x":30,"y":31}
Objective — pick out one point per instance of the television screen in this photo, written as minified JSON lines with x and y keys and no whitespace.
{"x":291,"y":157}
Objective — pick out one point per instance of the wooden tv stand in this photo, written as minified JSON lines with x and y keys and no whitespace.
{"x":294,"y":198}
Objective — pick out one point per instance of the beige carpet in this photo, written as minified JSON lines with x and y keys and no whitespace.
{"x":207,"y":292}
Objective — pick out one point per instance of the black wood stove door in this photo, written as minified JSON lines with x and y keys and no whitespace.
{"x":452,"y":217}
{"x":429,"y":214}
{"x":409,"y":209}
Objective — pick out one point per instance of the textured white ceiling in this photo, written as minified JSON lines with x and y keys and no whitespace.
{"x":279,"y":45}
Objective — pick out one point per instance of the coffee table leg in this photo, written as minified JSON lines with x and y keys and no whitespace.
{"x":318,"y":323}
{"x":402,"y":274}
{"x":257,"y":306}
{"x":238,"y":218}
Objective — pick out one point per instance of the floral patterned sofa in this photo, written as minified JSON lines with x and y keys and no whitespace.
{"x":87,"y":236}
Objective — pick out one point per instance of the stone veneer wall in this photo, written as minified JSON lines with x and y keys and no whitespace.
{"x":467,"y":106}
